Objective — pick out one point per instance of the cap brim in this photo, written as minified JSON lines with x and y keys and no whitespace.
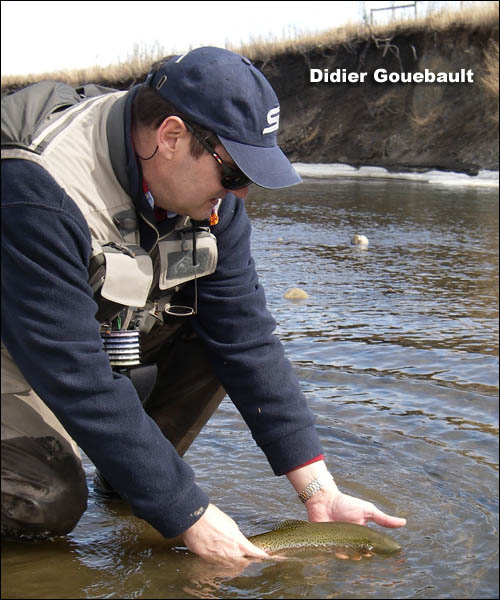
{"x":266,"y":167}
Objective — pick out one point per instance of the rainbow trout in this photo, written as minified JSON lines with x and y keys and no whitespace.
{"x":302,"y":534}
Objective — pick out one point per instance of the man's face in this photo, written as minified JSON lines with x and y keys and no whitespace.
{"x":187,"y":185}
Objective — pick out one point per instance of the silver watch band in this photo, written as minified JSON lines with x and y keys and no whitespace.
{"x":315,"y":486}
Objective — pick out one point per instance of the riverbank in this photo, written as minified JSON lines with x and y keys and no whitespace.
{"x":413,"y":126}
{"x":413,"y":96}
{"x":483,"y":179}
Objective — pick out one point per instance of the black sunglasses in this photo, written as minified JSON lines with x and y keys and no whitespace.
{"x":232,"y":177}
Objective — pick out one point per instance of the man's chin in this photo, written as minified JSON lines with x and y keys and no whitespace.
{"x":202,"y":215}
{"x":195,"y":216}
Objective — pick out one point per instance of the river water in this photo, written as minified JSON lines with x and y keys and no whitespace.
{"x":396,"y":348}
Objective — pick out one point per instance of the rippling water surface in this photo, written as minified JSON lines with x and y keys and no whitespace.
{"x":397,"y":351}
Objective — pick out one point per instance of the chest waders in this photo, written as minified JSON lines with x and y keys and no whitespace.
{"x":43,"y":484}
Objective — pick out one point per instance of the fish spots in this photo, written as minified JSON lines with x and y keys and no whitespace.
{"x":346,"y":539}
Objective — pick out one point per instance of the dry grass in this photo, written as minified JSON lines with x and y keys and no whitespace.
{"x":489,"y":78}
{"x":426,"y":123}
{"x":472,"y":17}
{"x":133,"y":67}
{"x":484,"y":15}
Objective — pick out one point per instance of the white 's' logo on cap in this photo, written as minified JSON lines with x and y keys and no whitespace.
{"x":273,"y":118}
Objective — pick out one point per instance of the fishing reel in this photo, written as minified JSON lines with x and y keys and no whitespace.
{"x":124,"y":352}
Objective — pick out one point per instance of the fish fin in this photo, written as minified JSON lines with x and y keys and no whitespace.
{"x":290,"y":524}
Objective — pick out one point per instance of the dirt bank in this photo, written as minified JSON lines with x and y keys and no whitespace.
{"x":451,"y":126}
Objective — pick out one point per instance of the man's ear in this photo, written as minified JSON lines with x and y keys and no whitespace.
{"x":169,"y":134}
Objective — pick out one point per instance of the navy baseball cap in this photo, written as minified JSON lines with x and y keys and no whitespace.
{"x":225,"y":93}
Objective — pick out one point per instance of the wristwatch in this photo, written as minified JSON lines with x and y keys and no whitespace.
{"x":315,"y":486}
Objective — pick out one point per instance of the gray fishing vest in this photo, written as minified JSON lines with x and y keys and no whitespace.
{"x":65,"y":131}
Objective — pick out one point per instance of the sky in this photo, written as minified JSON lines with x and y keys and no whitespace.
{"x":44,"y":36}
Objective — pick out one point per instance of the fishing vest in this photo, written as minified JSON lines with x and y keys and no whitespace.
{"x":65,"y":131}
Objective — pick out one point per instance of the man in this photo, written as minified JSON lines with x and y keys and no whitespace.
{"x":123,"y":216}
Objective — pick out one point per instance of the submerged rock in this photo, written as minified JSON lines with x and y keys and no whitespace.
{"x":359,"y":240}
{"x":296,"y":294}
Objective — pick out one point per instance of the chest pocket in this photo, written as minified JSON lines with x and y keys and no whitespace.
{"x":176,"y":258}
{"x":123,"y":273}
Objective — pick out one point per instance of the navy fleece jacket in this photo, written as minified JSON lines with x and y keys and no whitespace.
{"x":49,"y":327}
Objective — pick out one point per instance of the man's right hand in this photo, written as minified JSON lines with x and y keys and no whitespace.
{"x":217,"y":538}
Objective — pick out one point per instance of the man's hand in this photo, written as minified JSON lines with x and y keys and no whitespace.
{"x":217,"y":538}
{"x":330,"y":504}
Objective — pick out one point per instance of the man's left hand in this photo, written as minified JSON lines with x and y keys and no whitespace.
{"x":330,"y":504}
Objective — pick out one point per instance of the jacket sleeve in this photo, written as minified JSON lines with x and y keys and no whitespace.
{"x":248,"y":358}
{"x":49,"y":328}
